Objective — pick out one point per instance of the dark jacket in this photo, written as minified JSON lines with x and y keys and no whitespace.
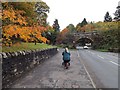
{"x":66,"y":55}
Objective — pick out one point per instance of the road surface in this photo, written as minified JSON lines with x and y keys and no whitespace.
{"x":51,"y":74}
{"x":102,"y":67}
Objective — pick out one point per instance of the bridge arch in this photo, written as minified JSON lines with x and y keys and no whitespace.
{"x":84,"y":41}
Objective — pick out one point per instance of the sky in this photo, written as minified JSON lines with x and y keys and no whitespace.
{"x":74,"y":11}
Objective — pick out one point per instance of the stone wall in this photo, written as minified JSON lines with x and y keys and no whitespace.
{"x":15,"y":64}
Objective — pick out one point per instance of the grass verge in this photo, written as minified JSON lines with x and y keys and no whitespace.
{"x":103,"y":50}
{"x":25,"y":46}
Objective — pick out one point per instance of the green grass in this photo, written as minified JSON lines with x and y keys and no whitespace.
{"x":103,"y":50}
{"x":25,"y":46}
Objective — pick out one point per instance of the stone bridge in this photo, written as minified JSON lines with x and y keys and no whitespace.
{"x":82,"y":38}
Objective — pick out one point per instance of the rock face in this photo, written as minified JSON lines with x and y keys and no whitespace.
{"x":15,"y":64}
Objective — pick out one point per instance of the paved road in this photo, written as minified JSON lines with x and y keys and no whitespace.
{"x":102,"y":67}
{"x":51,"y":74}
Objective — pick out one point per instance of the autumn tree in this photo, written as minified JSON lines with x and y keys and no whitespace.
{"x":78,"y":27}
{"x":107,"y":35}
{"x":28,"y":8}
{"x":65,"y":38}
{"x":12,"y":22}
{"x":88,"y":28}
{"x":0,"y":22}
{"x":62,"y":36}
{"x":19,"y":24}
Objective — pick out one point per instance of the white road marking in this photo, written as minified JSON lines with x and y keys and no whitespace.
{"x":100,"y":56}
{"x":87,"y":73}
{"x":114,"y":63}
{"x":78,"y":54}
{"x":89,"y":77}
{"x":91,"y":52}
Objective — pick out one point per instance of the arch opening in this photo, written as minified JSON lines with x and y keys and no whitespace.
{"x":84,"y":42}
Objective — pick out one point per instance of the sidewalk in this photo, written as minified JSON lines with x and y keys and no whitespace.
{"x":51,"y":74}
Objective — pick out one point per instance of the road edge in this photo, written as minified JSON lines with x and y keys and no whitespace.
{"x":93,"y":84}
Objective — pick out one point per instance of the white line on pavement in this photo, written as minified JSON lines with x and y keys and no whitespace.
{"x":91,"y":52}
{"x":114,"y":63}
{"x":100,"y":56}
{"x":78,"y":54}
{"x":94,"y":86}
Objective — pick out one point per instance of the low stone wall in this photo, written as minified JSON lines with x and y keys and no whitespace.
{"x":15,"y":64}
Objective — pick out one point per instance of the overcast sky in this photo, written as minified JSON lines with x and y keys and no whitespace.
{"x":73,"y":11}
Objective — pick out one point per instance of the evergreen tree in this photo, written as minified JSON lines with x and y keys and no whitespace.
{"x":84,"y":22}
{"x":56,"y":26}
{"x":117,"y":14}
{"x":107,"y":17}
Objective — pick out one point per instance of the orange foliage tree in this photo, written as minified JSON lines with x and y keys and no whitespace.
{"x":15,"y":26}
{"x":62,"y":35}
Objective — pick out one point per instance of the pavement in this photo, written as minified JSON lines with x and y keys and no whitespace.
{"x":51,"y":74}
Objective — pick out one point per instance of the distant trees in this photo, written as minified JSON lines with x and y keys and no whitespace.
{"x":65,"y":38}
{"x":41,"y":8}
{"x":50,"y":34}
{"x":80,"y":27}
{"x":53,"y":32}
{"x":56,"y":26}
{"x":62,"y":36}
{"x":106,"y":36}
{"x":84,"y":22}
{"x":117,"y":14}
{"x":71,"y":27}
{"x":107,"y":17}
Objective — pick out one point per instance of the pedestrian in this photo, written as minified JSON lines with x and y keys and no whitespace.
{"x":66,"y":58}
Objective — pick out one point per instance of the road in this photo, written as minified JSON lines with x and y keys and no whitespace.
{"x":102,"y":67}
{"x":51,"y":74}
